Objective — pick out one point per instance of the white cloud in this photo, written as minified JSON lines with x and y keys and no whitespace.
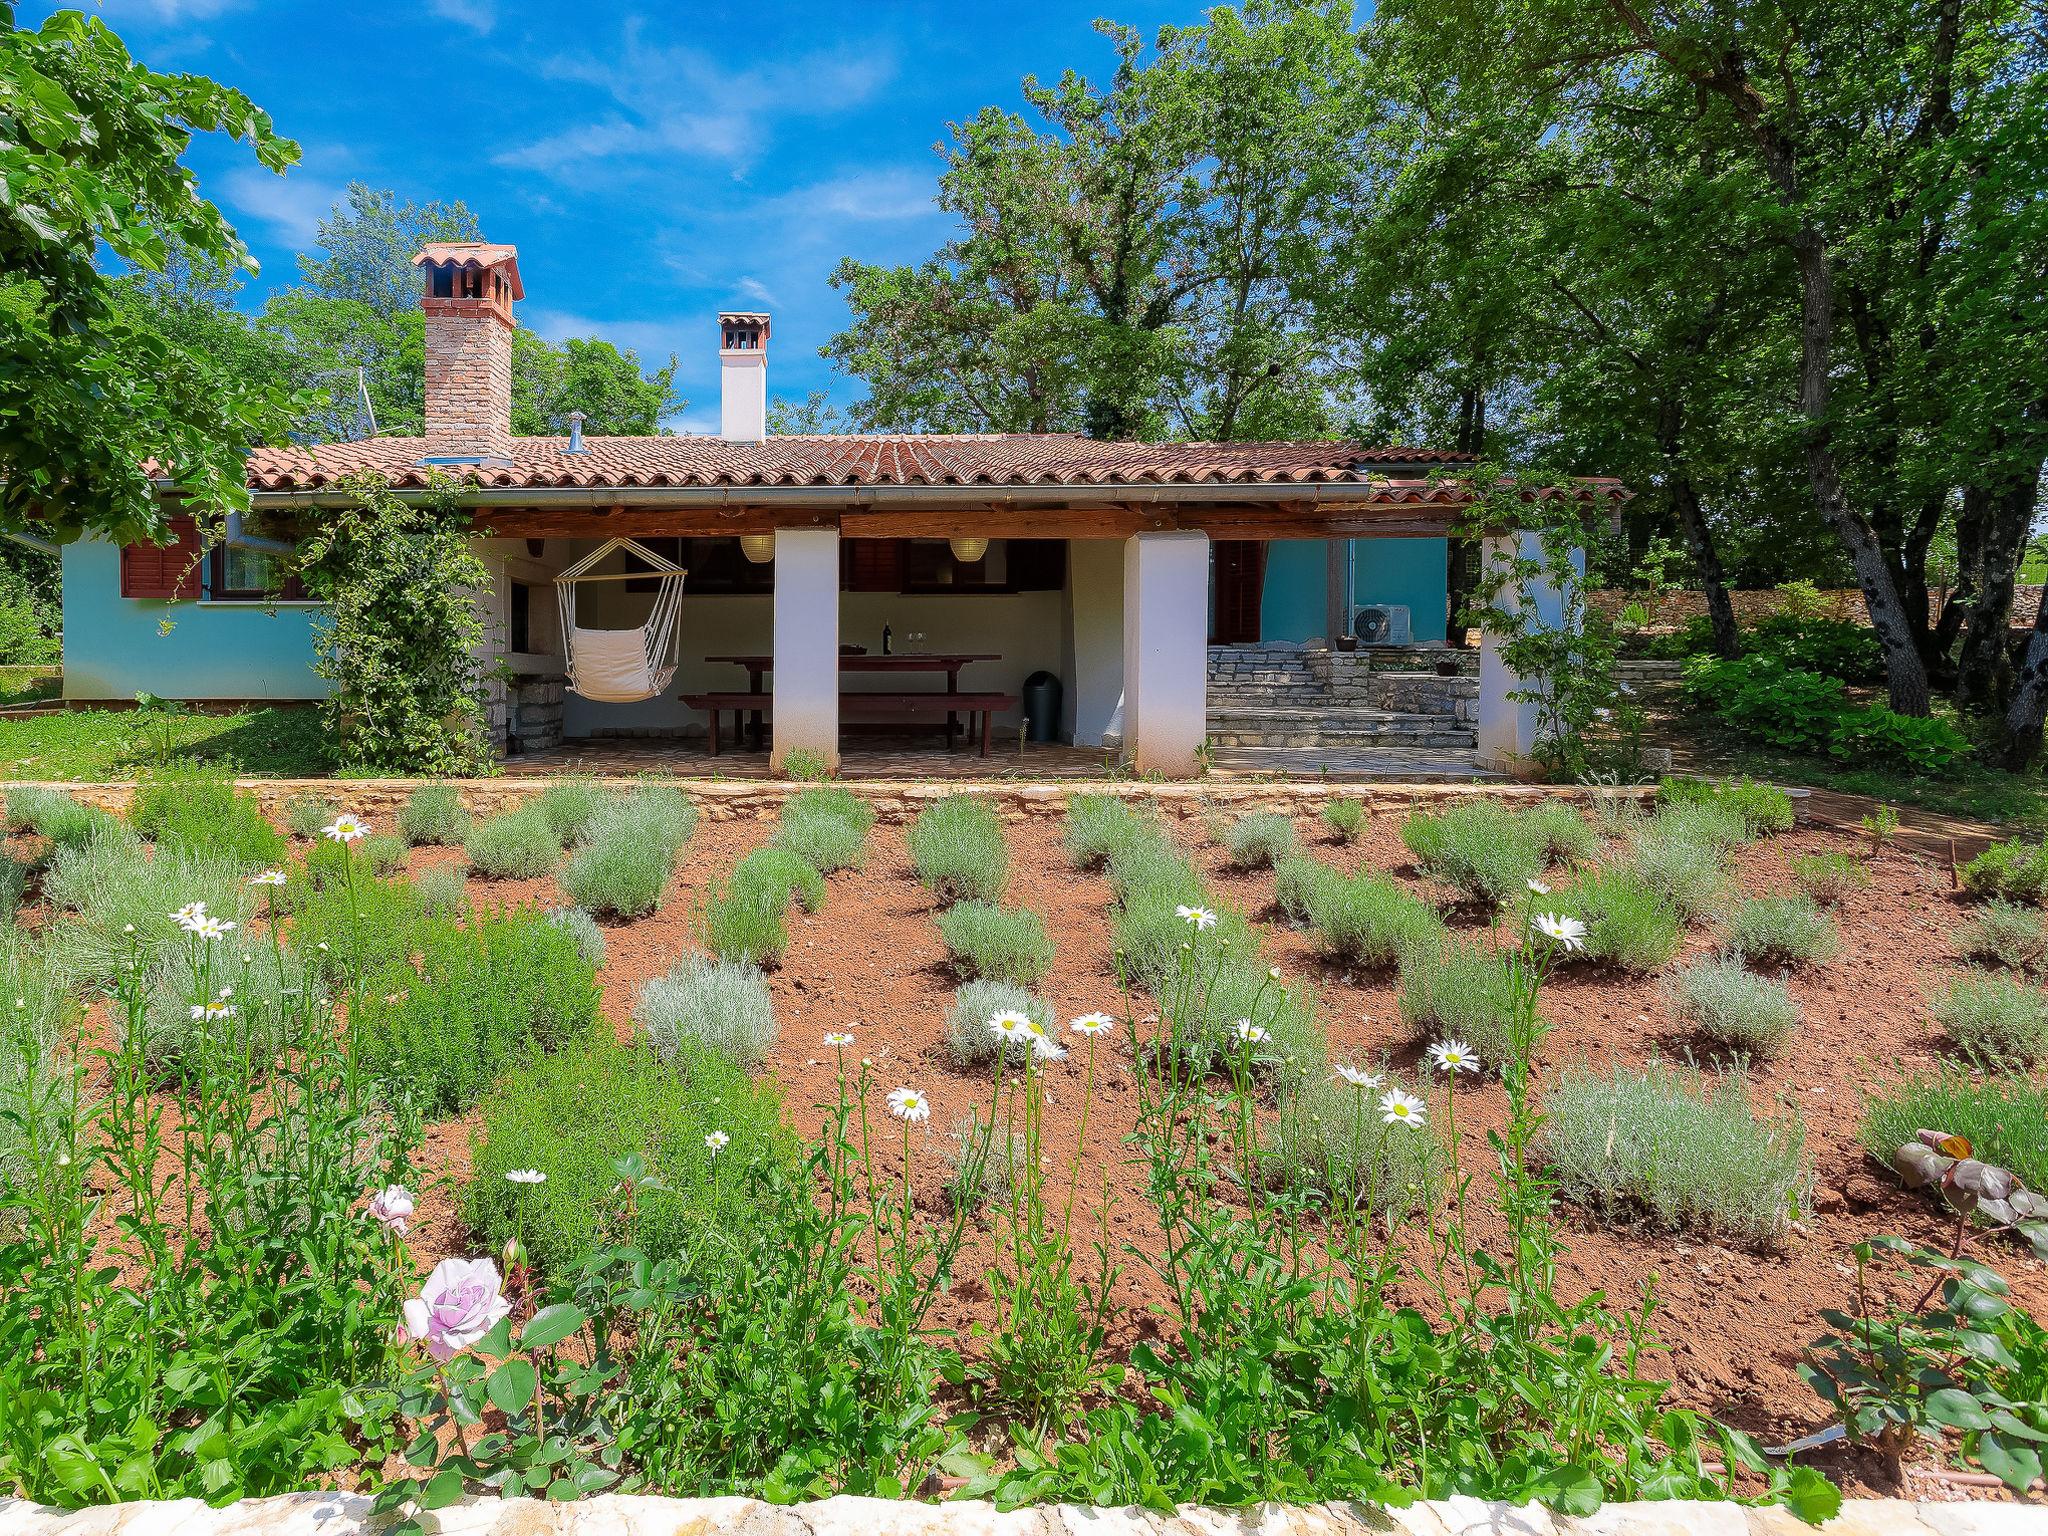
{"x":289,"y":206}
{"x":867,"y":196}
{"x":654,"y":340}
{"x":477,"y":15}
{"x":754,"y":288}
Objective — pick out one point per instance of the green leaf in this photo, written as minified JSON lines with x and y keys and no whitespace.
{"x":443,"y":1489}
{"x":1571,"y":1490}
{"x":2015,"y":1466}
{"x":551,"y":1325}
{"x":510,"y":1388}
{"x":1957,"y":1409}
{"x":1809,"y":1495}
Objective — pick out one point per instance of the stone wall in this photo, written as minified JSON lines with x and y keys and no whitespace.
{"x":1675,"y":609}
{"x":534,"y":705}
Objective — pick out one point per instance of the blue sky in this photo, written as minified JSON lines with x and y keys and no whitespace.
{"x":652,"y":165}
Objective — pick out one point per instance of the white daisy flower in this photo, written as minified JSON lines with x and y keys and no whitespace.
{"x":209,"y":928}
{"x":1250,"y":1033}
{"x":1539,"y":887}
{"x":1043,"y":1046}
{"x":268,"y":877}
{"x":717,"y":1142}
{"x":212,"y":1013}
{"x":838,"y":1037}
{"x":1201,"y":919}
{"x":186,"y":916}
{"x":345,"y":829}
{"x":1092,"y":1024}
{"x":1454,"y":1056}
{"x":1358,"y":1077}
{"x":1010,"y":1025}
{"x":526,"y":1176}
{"x":1568,"y":931}
{"x":910,"y":1105}
{"x":1398,"y":1108}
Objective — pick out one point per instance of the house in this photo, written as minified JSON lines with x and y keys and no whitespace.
{"x":1110,"y":565}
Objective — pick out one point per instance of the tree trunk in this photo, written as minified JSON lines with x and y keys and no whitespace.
{"x":1984,"y":669}
{"x":1692,"y":523}
{"x":2029,"y":707}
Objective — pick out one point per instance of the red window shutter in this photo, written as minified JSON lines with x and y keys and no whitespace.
{"x":165,"y":572}
{"x":874,"y":565}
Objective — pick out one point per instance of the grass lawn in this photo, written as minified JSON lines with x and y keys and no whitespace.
{"x":1970,"y":790}
{"x":93,"y":744}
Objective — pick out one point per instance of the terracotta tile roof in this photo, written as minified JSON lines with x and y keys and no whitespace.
{"x":1015,"y":460}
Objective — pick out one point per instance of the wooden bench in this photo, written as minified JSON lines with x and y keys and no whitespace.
{"x":866,"y":709}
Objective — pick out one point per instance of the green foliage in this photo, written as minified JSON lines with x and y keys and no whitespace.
{"x":1808,"y":712}
{"x":305,"y":814}
{"x":743,"y":920}
{"x":1364,"y":920}
{"x":1458,"y":989}
{"x":63,"y":821}
{"x":513,"y":845}
{"x":1260,"y":840}
{"x":1296,"y":881}
{"x":1779,"y":930}
{"x":1801,"y":642}
{"x":31,"y":1036}
{"x":1100,"y":826}
{"x":969,"y":1040}
{"x":718,"y":1005}
{"x":1678,"y":1148}
{"x":1828,"y":877}
{"x":628,"y":853}
{"x":202,"y":812}
{"x":581,"y":927}
{"x":1562,"y":833}
{"x":1629,"y":923}
{"x":2004,"y":1115}
{"x":999,"y":943}
{"x":482,"y":998}
{"x":1994,"y":1020}
{"x":1483,"y":850}
{"x":806,"y":766}
{"x":1764,"y":808}
{"x":1328,"y":1143}
{"x":1345,"y":818}
{"x":2015,"y":870}
{"x":441,"y":891}
{"x":98,"y":745}
{"x":350,"y":928}
{"x":1734,"y":1007}
{"x":30,"y":622}
{"x":1682,"y":862}
{"x":385,"y":854}
{"x":399,"y":638}
{"x":432,"y":813}
{"x":957,"y":848}
{"x":2005,"y":933}
{"x":827,"y":828}
{"x":568,"y":807}
{"x":572,"y":1116}
{"x":272,"y":993}
{"x":106,"y":887}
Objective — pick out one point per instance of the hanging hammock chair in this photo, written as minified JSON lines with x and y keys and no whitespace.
{"x":622,"y":666}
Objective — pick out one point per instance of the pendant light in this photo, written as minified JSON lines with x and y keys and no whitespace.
{"x":758,"y":547}
{"x":967,"y":551}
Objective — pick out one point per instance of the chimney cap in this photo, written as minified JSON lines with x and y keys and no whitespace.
{"x":473,"y":254}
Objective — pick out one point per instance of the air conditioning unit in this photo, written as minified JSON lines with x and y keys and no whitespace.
{"x":1381,"y":624}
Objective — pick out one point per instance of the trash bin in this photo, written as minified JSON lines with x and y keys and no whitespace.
{"x":1042,"y":705}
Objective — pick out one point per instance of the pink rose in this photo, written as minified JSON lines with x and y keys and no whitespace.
{"x":457,"y":1306}
{"x":391,"y":1205}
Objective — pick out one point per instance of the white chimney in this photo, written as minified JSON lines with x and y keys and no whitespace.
{"x":742,"y":377}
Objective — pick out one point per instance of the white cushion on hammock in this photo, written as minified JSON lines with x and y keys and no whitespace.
{"x":612,"y":666}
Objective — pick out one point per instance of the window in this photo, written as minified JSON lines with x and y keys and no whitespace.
{"x":522,"y":618}
{"x":251,"y":576}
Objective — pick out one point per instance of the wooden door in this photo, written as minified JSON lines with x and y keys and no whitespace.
{"x":1240,"y":567}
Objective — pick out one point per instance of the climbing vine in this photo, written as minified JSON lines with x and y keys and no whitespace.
{"x":1589,"y":725}
{"x":401,"y":634}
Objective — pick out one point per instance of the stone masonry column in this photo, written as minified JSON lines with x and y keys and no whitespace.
{"x":1166,"y":651}
{"x":1507,"y":726}
{"x":806,"y":679}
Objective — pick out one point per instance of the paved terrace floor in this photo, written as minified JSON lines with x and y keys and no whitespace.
{"x":917,"y":757}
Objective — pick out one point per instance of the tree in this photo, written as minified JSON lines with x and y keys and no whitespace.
{"x":814,"y":415}
{"x":367,"y":243}
{"x":91,"y":167}
{"x":591,"y":376}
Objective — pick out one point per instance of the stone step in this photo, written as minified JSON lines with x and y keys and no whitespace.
{"x":1336,"y":728}
{"x":1346,"y":741}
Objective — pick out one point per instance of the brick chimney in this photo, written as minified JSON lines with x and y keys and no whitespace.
{"x":742,"y":377}
{"x":470,"y":288}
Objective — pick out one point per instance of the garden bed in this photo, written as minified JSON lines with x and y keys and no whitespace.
{"x":1731,"y":1315}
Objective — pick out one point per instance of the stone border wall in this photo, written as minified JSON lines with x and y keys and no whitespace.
{"x":343,"y":1514}
{"x":740,"y":799}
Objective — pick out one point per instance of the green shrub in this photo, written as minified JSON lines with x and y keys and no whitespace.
{"x":1734,"y":1007}
{"x":514,"y":845}
{"x":441,"y":891}
{"x":1297,"y":880}
{"x":1629,"y":925}
{"x":806,"y":766}
{"x":1677,"y":1148}
{"x":1345,"y":819}
{"x":202,"y":812}
{"x":1485,"y":852}
{"x":783,"y":876}
{"x":998,"y":943}
{"x":567,"y":808}
{"x":720,"y":1004}
{"x":483,"y":998}
{"x":1099,"y":826}
{"x":983,"y":1168}
{"x":1367,"y":920}
{"x":14,"y":875}
{"x":106,"y":887}
{"x":270,"y":985}
{"x":572,"y":1116}
{"x":1561,"y":832}
{"x":385,"y":854}
{"x":663,"y":812}
{"x":2015,"y":871}
{"x":30,"y":1036}
{"x":957,"y":847}
{"x":2005,"y":933}
{"x":827,"y":828}
{"x":1994,"y":1020}
{"x":1828,"y":877}
{"x":348,"y":934}
{"x":1328,"y":1143}
{"x":1260,"y":840}
{"x":1682,"y":863}
{"x":1459,"y":990}
{"x":63,"y":821}
{"x":743,"y":919}
{"x":1708,"y":823}
{"x":969,"y":1039}
{"x":1808,"y":712}
{"x":1295,"y":1051}
{"x":433,"y":813}
{"x":581,"y":927}
{"x":1779,"y":930}
{"x":2005,"y":1118}
{"x":1764,"y":808}
{"x":618,"y":870}
{"x":305,"y":815}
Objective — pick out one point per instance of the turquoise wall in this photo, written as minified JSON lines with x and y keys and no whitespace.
{"x":1406,"y":571}
{"x":115,"y":646}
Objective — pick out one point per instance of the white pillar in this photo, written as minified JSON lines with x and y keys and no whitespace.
{"x":806,"y":684}
{"x":1166,"y":651}
{"x":1507,"y":725}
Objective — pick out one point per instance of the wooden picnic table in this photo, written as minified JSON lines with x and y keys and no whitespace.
{"x":948,"y":662}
